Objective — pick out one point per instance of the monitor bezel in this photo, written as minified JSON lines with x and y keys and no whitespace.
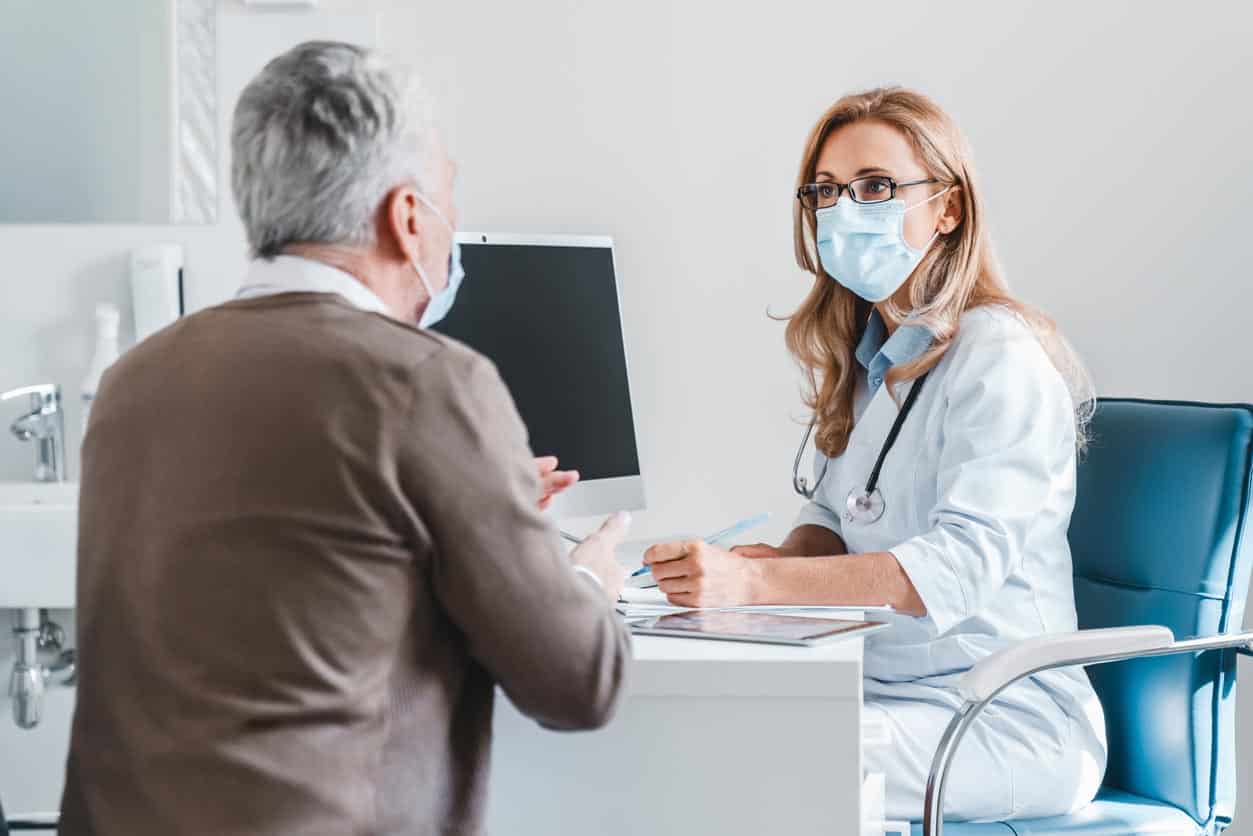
{"x":594,"y":496}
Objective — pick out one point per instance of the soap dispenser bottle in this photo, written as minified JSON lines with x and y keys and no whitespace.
{"x":107,"y":318}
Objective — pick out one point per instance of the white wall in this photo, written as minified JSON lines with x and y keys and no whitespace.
{"x":1113,"y":141}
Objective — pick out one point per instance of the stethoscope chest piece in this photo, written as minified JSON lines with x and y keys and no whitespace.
{"x":863,"y":507}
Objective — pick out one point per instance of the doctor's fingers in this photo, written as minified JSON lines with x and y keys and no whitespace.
{"x":684,"y":599}
{"x":664,"y":552}
{"x":684,"y":567}
{"x":755,"y":550}
{"x":678,"y":586}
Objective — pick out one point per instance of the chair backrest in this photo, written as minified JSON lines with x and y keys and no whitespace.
{"x":1160,"y":536}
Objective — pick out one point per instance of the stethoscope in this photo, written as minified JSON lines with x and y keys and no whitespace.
{"x":865,"y":505}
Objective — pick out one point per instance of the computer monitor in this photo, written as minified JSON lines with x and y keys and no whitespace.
{"x":545,"y":310}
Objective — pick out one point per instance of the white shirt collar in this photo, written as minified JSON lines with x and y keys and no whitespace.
{"x":293,"y":274}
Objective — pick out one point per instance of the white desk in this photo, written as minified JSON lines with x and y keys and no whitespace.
{"x":712,"y":738}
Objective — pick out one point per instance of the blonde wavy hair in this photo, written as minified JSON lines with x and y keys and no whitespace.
{"x":959,"y":272}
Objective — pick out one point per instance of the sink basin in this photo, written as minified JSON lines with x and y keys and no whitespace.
{"x":38,"y":539}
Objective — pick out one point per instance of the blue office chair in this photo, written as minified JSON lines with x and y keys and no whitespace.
{"x":1159,"y":537}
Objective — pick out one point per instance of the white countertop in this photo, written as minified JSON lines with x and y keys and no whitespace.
{"x":666,"y":666}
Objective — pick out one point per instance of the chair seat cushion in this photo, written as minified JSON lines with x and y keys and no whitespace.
{"x":1113,"y":813}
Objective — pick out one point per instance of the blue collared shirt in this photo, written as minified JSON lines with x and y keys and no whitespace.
{"x":877,"y":352}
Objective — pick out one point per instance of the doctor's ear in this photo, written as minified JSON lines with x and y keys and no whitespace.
{"x":951,"y":214}
{"x":401,"y":222}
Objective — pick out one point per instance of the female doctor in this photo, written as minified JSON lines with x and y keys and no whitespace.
{"x":948,"y":417}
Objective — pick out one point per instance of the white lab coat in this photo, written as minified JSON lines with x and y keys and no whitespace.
{"x":979,"y":489}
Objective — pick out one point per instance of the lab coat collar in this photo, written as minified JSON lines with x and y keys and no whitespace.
{"x":293,"y":274}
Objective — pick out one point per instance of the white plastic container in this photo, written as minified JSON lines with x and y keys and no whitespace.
{"x":106,"y":353}
{"x":156,"y":287}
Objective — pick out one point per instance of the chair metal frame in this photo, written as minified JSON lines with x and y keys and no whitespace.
{"x":933,"y":804}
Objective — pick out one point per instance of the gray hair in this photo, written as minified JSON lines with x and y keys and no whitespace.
{"x":319,"y":138}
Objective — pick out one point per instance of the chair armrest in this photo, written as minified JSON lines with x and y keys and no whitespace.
{"x":1085,"y":647}
{"x":991,"y":674}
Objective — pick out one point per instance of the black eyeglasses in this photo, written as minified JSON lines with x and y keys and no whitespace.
{"x":873,"y":189}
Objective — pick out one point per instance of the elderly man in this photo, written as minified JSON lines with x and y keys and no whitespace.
{"x":310,"y":538}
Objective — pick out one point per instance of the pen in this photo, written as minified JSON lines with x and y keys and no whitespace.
{"x":713,"y":539}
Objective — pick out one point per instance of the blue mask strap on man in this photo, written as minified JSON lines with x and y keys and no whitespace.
{"x":441,"y":302}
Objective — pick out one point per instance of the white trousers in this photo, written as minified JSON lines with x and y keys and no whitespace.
{"x":1014,"y":762}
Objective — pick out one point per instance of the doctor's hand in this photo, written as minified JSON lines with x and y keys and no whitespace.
{"x":758,"y":550}
{"x":597,"y":553}
{"x":693,"y":573}
{"x":552,"y":480}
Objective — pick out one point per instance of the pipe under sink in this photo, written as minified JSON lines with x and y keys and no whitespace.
{"x":28,"y":682}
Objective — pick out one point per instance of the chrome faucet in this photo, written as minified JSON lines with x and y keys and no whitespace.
{"x":29,"y":680}
{"x":45,"y":425}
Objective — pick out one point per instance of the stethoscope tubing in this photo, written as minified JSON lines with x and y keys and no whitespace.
{"x":801,"y":485}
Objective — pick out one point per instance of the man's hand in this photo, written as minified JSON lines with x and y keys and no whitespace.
{"x":552,"y":480}
{"x":596,"y":552}
{"x":693,"y":573}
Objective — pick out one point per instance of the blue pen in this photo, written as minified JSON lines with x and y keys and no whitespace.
{"x":713,"y":539}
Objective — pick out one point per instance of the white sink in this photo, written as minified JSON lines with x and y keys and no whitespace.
{"x":38,"y":539}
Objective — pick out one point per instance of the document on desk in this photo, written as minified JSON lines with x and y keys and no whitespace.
{"x":642,"y":603}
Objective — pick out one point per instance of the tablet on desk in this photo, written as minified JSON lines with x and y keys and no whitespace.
{"x":759,"y":627}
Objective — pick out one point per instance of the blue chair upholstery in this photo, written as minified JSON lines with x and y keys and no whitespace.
{"x":1113,"y":813}
{"x":1159,"y":536}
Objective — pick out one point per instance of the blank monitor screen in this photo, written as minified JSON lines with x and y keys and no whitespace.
{"x":547,"y":315}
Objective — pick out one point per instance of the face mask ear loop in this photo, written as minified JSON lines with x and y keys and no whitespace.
{"x":931,"y":241}
{"x":941,"y":193}
{"x":925,"y":247}
{"x":417,"y":268}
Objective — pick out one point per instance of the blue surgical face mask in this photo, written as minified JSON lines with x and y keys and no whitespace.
{"x":441,"y":302}
{"x":862,"y":245}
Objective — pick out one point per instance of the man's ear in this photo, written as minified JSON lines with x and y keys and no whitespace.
{"x":952,"y":214}
{"x":401,"y":230}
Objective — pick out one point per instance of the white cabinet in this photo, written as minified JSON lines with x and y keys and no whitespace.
{"x":712,"y":737}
